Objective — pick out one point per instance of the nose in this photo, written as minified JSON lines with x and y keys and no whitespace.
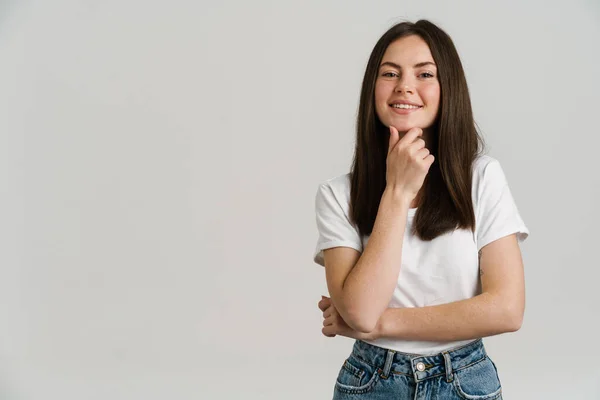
{"x":404,"y":86}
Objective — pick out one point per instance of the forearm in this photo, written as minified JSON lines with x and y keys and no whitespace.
{"x":370,"y":285}
{"x":477,"y":317}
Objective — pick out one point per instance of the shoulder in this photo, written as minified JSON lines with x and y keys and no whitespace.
{"x":339,"y":186}
{"x":481,"y":163}
{"x":487,"y":173}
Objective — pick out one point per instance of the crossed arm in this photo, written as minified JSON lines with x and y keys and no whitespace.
{"x":498,"y":309}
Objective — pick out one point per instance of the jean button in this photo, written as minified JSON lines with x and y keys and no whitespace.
{"x":421,"y":366}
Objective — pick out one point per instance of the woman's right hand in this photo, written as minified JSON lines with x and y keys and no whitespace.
{"x":408,"y":161}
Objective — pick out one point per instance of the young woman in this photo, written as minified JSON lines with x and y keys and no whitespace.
{"x":420,"y":241}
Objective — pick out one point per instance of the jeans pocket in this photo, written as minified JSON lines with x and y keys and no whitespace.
{"x":356,"y":376}
{"x":478,"y":381}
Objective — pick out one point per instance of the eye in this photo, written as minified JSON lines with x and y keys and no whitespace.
{"x":389,"y":74}
{"x":427,"y":75}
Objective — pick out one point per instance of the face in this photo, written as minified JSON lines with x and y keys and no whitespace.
{"x":407,"y":90}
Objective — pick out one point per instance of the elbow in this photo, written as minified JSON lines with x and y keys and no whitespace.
{"x":358,"y":316}
{"x":506,"y":313}
{"x":362,"y":322}
{"x":513,"y":319}
{"x":364,"y":326}
{"x":515,"y":323}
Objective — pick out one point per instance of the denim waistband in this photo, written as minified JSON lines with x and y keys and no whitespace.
{"x":421,"y":367}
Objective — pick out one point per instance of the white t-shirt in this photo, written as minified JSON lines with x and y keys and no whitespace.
{"x":440,"y":271}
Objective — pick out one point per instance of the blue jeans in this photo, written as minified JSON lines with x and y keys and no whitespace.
{"x":375,"y":373}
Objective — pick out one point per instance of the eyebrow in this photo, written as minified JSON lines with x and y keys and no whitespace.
{"x":419,"y":65}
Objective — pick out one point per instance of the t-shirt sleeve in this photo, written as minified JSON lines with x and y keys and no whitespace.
{"x":333,"y":223}
{"x":498,"y":215}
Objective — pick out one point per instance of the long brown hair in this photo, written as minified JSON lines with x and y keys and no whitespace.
{"x":446,"y":203}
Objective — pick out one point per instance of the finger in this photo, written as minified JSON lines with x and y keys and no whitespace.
{"x":422,"y":153}
{"x":418,"y":144}
{"x":323,"y":305}
{"x":411,"y":135}
{"x":394,"y":138}
{"x":326,"y":332}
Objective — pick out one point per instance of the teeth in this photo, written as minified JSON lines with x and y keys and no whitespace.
{"x":406,"y":106}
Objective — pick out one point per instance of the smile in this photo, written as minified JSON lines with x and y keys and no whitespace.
{"x":405,"y":106}
{"x":404,"y":109}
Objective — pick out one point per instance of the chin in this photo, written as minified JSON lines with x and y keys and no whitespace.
{"x":404,"y":126}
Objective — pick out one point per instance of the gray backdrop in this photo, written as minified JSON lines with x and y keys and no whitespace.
{"x":159,"y":167}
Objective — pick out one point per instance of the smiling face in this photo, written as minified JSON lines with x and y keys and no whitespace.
{"x":407,"y":89}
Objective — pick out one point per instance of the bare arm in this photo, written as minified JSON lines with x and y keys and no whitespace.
{"x":365,"y":293}
{"x":361,"y":286}
{"x":498,"y":309}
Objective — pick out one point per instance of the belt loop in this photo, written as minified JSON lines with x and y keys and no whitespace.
{"x":447,"y":361}
{"x":388,"y":363}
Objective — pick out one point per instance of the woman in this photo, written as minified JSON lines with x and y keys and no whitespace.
{"x":420,"y":241}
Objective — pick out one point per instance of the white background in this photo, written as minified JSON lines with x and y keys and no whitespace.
{"x":159,"y":167}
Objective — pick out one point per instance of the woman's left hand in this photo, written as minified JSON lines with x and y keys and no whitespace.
{"x":333,"y":323}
